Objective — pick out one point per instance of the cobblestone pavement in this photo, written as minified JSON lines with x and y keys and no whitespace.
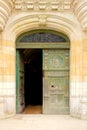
{"x":43,"y":122}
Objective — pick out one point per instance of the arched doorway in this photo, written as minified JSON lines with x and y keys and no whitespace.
{"x":43,"y":71}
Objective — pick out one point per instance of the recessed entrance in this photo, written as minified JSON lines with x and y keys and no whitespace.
{"x":33,"y":80}
{"x":29,"y":92}
{"x":42,"y":71}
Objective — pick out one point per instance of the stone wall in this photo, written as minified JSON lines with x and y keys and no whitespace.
{"x":66,"y":21}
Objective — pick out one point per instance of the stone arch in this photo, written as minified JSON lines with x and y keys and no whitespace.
{"x":5,"y":11}
{"x":79,"y":8}
{"x":23,"y":23}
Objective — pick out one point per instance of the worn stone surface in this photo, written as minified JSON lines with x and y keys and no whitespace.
{"x":42,"y":122}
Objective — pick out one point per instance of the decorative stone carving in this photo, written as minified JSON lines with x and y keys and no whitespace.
{"x":42,"y":4}
{"x":55,"y":5}
{"x":80,"y":10}
{"x":5,"y":10}
{"x":42,"y":20}
{"x":30,"y":5}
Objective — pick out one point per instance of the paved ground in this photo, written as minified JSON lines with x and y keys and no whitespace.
{"x":43,"y":122}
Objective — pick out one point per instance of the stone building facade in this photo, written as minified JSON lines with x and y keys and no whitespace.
{"x":68,"y":17}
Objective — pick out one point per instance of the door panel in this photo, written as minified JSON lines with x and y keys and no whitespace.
{"x":20,"y":104}
{"x":56,"y":81}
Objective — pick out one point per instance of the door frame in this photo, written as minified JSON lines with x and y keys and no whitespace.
{"x":45,"y":45}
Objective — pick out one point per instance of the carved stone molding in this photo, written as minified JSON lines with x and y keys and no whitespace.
{"x":42,"y":4}
{"x":80,"y":10}
{"x":5,"y":10}
{"x":42,"y":20}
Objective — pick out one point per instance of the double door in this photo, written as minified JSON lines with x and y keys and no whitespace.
{"x":55,"y":81}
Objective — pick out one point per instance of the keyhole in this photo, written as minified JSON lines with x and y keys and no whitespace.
{"x":52,"y":86}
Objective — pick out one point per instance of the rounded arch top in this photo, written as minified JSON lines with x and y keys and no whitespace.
{"x":42,"y":35}
{"x":56,"y":23}
{"x":38,"y":38}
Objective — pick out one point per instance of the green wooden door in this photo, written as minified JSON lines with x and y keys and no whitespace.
{"x":20,"y":104}
{"x":56,"y":81}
